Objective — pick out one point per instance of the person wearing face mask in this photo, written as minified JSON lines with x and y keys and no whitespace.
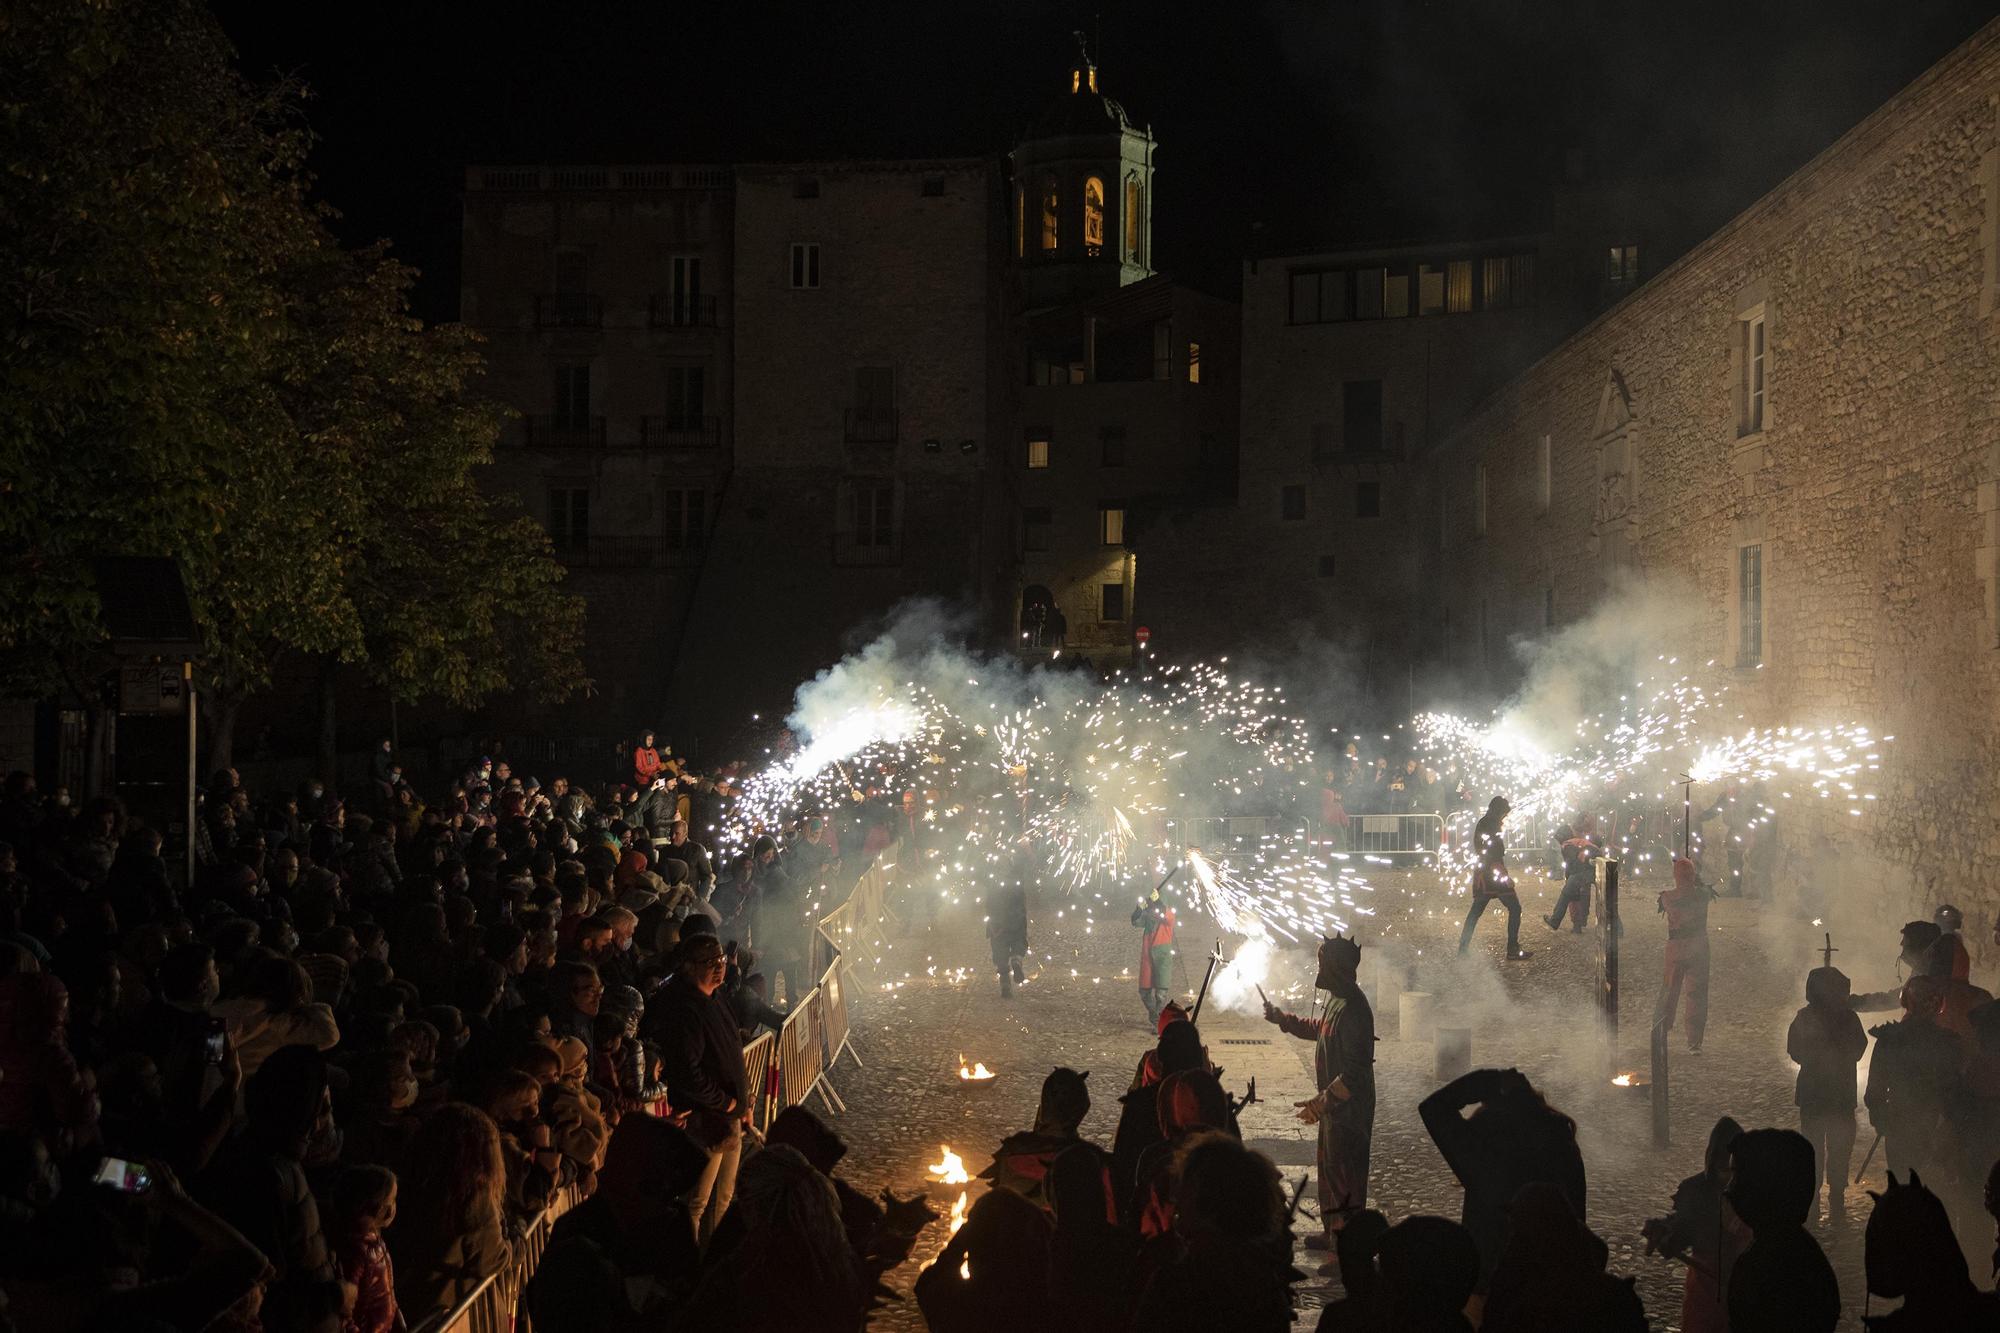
{"x":175,"y":1026}
{"x":617,"y":962}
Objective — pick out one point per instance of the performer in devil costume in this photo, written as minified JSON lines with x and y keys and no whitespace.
{"x":1686,"y":909}
{"x":1490,"y":880}
{"x":1155,"y":916}
{"x":1344,"y":1064}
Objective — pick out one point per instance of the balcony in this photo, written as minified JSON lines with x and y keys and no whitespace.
{"x":678,"y":310}
{"x":569,"y":310}
{"x":594,"y":552}
{"x":564,"y":432}
{"x":870,"y":427}
{"x":672,"y":432}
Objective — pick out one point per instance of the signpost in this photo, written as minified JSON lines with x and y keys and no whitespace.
{"x":1142,"y":636}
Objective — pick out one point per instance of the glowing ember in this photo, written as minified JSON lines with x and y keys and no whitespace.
{"x":950,"y":1169}
{"x":958,"y":1214}
{"x":976,"y":1072}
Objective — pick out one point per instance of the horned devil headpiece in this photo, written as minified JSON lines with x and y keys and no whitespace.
{"x":1337,"y":952}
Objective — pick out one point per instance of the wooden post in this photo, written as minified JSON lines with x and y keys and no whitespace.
{"x":1661,"y":1092}
{"x":1607,"y":958}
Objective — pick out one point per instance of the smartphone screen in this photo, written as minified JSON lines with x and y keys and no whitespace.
{"x":216,"y":1033}
{"x":123,"y":1176}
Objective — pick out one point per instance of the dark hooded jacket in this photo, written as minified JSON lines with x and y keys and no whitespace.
{"x":1021,"y":1162}
{"x":1551,"y":1276}
{"x":1782,"y":1283}
{"x":1826,"y":1042}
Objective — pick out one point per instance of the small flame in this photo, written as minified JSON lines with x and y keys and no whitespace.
{"x":965,"y":1268}
{"x":950,"y":1169}
{"x":958,"y":1214}
{"x":978,"y":1070}
{"x":1622,"y":1081}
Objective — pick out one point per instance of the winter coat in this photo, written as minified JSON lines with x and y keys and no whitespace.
{"x":701,"y":1054}
{"x":1826,"y":1042}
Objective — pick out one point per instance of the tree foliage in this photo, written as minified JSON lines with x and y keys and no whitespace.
{"x":194,"y":368}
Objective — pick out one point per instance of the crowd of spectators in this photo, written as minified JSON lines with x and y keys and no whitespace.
{"x":331,"y":1083}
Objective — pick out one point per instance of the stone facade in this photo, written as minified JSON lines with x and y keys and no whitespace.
{"x":1799,"y":421}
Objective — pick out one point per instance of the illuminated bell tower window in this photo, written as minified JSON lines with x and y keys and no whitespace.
{"x":1051,"y":200}
{"x":1135,"y":202}
{"x":1093,"y":217}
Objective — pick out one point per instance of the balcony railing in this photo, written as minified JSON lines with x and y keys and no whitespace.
{"x":678,"y":310}
{"x":672,"y":432}
{"x":870,"y":427}
{"x":565,"y":432}
{"x":609,"y":552}
{"x":569,"y":310}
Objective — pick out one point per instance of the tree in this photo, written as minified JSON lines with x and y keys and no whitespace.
{"x":195,"y":368}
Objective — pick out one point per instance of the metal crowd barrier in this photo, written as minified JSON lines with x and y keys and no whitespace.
{"x":1409,"y":835}
{"x":491,"y":1306}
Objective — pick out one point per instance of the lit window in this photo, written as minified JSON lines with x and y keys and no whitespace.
{"x":1458,"y":287}
{"x":1749,"y":605}
{"x":1093,"y":216}
{"x":1292,"y":503}
{"x":1751,"y":393}
{"x":1621,"y":265}
{"x":1135,"y":227}
{"x":1038,"y":452}
{"x":1111,"y":525}
{"x":805,"y":264}
{"x":1396,"y":296}
{"x":1111,"y":602}
{"x":1507,"y":281}
{"x":1194,"y":363}
{"x":1050,"y":201}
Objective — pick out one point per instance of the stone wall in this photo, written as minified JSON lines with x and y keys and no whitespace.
{"x":1869,"y":490}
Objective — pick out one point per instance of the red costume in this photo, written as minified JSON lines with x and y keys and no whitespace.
{"x":1686,"y":909}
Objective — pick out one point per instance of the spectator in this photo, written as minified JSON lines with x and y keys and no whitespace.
{"x":449,"y":1238}
{"x":379,"y":1124}
{"x":1702,"y":1230}
{"x":1231,"y":1265}
{"x":645,"y":762}
{"x":780,"y":1259}
{"x":1551,"y":1273}
{"x":1363,"y":1306}
{"x":1782,"y":1282}
{"x":1093,"y":1262}
{"x":364,"y":1207}
{"x":1513,"y":1138}
{"x":1429,"y":1268}
{"x":703,"y":1060}
{"x":992,"y":1275}
{"x":1022,"y":1161}
{"x":276,"y":1010}
{"x":1826,"y":1042}
{"x":42,"y":1091}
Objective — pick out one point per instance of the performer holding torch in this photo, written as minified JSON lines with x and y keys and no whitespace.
{"x":1344,"y":1065}
{"x":1155,"y":916}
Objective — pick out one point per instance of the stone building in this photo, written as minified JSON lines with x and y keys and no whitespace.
{"x":763,"y":404}
{"x":1791,"y":437}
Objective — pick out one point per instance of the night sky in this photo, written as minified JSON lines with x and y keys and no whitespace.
{"x":1325,"y":121}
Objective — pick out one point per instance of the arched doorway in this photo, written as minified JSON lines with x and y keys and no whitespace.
{"x":1038,"y":615}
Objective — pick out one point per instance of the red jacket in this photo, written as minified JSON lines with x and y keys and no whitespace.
{"x":645,"y":765}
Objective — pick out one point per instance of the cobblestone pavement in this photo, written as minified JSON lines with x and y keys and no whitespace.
{"x":1080,"y":1008}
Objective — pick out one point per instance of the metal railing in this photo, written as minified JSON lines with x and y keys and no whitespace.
{"x":870,"y":427}
{"x":563,"y":432}
{"x":672,"y":432}
{"x":680,"y":310}
{"x":491,"y":1306}
{"x":569,"y":310}
{"x":1397,"y":835}
{"x":597,"y":552}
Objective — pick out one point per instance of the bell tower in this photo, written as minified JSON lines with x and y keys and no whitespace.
{"x":1082,"y":195}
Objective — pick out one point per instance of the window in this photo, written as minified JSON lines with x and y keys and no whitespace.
{"x":1545,"y":474}
{"x":685,"y":397}
{"x":1038,"y":451}
{"x":1035,"y":526}
{"x":1749,"y":605}
{"x":875,"y":394}
{"x":1291,"y":503}
{"x":805,"y":264}
{"x":1135,"y":228}
{"x":1751,"y":391}
{"x":1326,"y":564}
{"x":569,"y":517}
{"x":1319,"y":298}
{"x":933,"y":187}
{"x":1368,"y":499}
{"x":1111,"y":446}
{"x":1430,"y":290}
{"x":874,"y":513}
{"x":1458,"y":287}
{"x":1093,"y":216}
{"x":1621,"y":265}
{"x":1396,"y":296}
{"x":1050,"y":200}
{"x":1479,"y":500}
{"x":1111,"y":602}
{"x":1361,"y":415}
{"x":1194,"y":363}
{"x":685,"y":519}
{"x":1368,"y":285}
{"x":1507,"y":281}
{"x":805,"y":187}
{"x":572,"y":398}
{"x":1111,"y":523}
{"x":684,"y":289}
